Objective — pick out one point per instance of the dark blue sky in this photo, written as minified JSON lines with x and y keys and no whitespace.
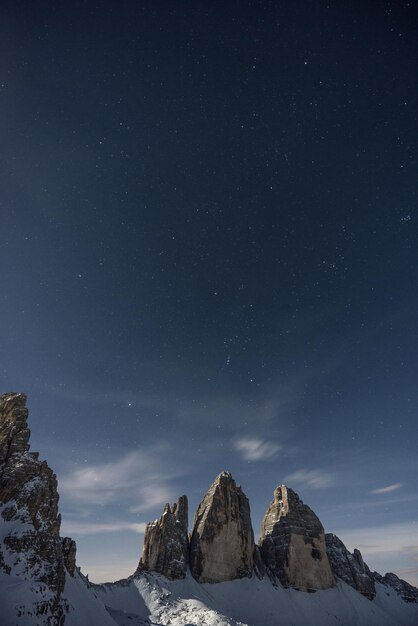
{"x":209,"y":260}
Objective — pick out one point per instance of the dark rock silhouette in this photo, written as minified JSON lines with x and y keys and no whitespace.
{"x":407,"y":592}
{"x":350,"y":567}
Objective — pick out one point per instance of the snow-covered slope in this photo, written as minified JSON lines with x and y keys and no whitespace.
{"x":246,"y":602}
{"x":154,"y":600}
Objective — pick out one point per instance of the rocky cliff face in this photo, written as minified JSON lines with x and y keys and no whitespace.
{"x":407,"y":592}
{"x":222,"y":540}
{"x":69,"y":551}
{"x":166,"y":543}
{"x":31,"y":545}
{"x":350,"y":567}
{"x":292,"y":543}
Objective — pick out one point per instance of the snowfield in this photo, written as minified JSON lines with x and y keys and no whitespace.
{"x":152,"y":599}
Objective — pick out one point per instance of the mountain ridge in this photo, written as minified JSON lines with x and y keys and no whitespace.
{"x":41,"y":584}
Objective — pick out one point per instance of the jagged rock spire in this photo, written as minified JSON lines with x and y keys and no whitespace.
{"x":32,"y":548}
{"x":350,"y":567}
{"x":166,"y":542}
{"x":292,"y":543}
{"x":222,"y":540}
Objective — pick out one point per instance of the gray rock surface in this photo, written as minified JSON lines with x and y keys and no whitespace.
{"x":31,"y":546}
{"x":350,"y":567}
{"x":292,"y":544}
{"x":222,"y":540}
{"x":407,"y":592}
{"x":166,"y":542}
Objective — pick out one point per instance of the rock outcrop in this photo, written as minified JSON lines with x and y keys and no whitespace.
{"x":31,"y":546}
{"x":292,"y":544}
{"x":222,"y":540}
{"x":407,"y":592}
{"x":69,"y":552}
{"x":350,"y":567}
{"x":166,"y":542}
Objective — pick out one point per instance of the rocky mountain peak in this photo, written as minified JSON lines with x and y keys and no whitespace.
{"x":181,"y":513}
{"x":224,"y":475}
{"x":222,"y":539}
{"x":224,"y":480}
{"x":292,"y":543}
{"x":31,"y":547}
{"x":284,"y":501}
{"x":407,"y":592}
{"x":349,"y":567}
{"x":166,"y":542}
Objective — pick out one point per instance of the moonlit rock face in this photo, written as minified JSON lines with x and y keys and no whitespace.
{"x":166,"y":542}
{"x":222,"y":541}
{"x":350,"y":567}
{"x":292,"y":543}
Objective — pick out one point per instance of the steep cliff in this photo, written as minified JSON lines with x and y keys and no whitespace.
{"x":31,"y":547}
{"x":292,"y":543}
{"x":222,"y":540}
{"x":407,"y":592}
{"x":166,"y":542}
{"x":350,"y":567}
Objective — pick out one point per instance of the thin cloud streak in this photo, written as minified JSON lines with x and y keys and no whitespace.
{"x":152,"y":495}
{"x":92,"y":528}
{"x":378,"y":540}
{"x":387,"y":489}
{"x":252,"y":449}
{"x":315,"y":478}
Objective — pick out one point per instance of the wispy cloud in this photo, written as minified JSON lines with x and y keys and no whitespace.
{"x":253,"y":449}
{"x":383,"y":539}
{"x":92,"y":528}
{"x":387,"y":489}
{"x":136,"y":479}
{"x":152,"y":495}
{"x":315,"y":478}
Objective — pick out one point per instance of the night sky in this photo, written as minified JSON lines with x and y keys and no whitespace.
{"x":209,"y":260}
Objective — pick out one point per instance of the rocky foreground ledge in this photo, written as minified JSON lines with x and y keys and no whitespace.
{"x":293,"y":550}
